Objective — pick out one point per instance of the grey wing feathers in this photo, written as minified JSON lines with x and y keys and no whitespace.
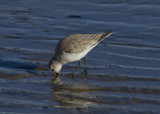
{"x":78,"y":42}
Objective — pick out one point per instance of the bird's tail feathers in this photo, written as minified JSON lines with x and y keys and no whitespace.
{"x":104,"y":35}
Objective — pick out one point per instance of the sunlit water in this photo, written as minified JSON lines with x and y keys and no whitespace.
{"x":123,"y":70}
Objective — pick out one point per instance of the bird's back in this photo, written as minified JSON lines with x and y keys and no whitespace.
{"x":76,"y":43}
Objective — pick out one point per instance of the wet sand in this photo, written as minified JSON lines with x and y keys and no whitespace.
{"x":123,"y":70}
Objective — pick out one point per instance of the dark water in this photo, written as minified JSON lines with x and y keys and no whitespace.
{"x":124,"y":70}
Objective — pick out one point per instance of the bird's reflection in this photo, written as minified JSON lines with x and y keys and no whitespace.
{"x":56,"y":80}
{"x":69,"y":94}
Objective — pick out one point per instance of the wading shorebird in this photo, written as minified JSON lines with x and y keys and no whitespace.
{"x":73,"y":48}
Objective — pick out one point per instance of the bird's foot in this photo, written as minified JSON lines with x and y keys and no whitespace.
{"x":72,"y":76}
{"x":85,"y":72}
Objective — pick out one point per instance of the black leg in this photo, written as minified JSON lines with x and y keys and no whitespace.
{"x":85,"y":70}
{"x":77,"y":67}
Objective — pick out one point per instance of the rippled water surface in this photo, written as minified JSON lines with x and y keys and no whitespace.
{"x":123,"y":70}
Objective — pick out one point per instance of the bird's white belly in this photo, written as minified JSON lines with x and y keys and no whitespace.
{"x":70,"y":57}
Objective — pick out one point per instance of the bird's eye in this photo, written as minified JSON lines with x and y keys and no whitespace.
{"x":52,"y":70}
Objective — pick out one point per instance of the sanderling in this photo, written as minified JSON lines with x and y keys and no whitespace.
{"x":73,"y":48}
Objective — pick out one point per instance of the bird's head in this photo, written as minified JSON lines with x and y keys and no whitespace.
{"x":55,"y":66}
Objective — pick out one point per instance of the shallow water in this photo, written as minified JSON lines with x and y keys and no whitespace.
{"x":123,"y":70}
